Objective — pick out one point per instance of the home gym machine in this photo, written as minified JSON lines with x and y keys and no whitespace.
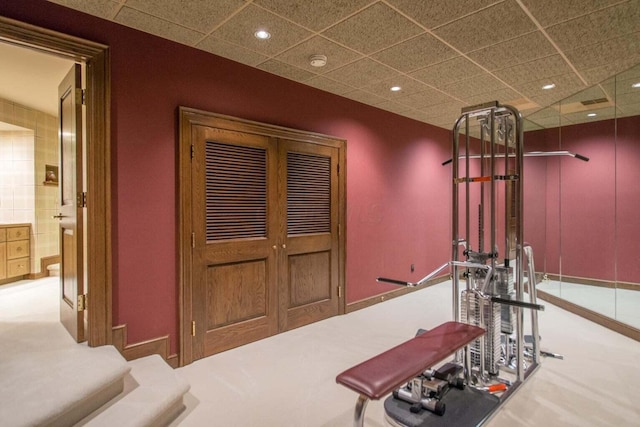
{"x":491,"y":356}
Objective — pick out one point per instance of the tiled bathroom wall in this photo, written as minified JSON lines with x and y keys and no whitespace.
{"x":24,"y":196}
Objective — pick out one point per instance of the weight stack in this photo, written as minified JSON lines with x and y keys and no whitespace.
{"x":492,"y":324}
{"x":505,"y":288}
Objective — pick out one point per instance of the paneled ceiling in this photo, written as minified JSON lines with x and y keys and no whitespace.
{"x":444,"y":54}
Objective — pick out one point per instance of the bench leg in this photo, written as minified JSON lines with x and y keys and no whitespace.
{"x":358,"y":415}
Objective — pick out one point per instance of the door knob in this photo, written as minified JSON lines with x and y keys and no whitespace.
{"x":59,"y":216}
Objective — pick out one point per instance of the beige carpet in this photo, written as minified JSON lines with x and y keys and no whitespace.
{"x":289,"y":379}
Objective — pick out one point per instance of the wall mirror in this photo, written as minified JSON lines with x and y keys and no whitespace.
{"x":582,"y":216}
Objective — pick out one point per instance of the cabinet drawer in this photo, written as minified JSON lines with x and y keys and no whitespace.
{"x":17,"y":267}
{"x":17,"y":233}
{"x":3,"y":234}
{"x":17,"y":249}
{"x":3,"y":260}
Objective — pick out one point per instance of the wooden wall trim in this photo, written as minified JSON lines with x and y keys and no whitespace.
{"x":160,"y":345}
{"x":600,"y":319}
{"x":595,"y":282}
{"x":368,"y":302}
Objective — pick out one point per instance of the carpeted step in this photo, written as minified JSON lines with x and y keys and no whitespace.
{"x":153,"y":396}
{"x":59,"y":386}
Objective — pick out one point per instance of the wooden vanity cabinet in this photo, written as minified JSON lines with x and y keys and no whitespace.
{"x":15,"y":247}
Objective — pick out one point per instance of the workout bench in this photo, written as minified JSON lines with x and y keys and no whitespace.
{"x":380,"y":375}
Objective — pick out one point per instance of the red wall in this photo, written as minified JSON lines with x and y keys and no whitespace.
{"x":398,"y":194}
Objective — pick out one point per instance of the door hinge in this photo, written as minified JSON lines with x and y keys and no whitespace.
{"x":82,"y":200}
{"x":82,"y":302}
{"x":193,"y":328}
{"x":193,"y":240}
{"x":81,"y":96}
{"x":339,"y":291}
{"x":193,"y":151}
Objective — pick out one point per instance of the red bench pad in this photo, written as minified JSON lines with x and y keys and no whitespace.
{"x":387,"y":371}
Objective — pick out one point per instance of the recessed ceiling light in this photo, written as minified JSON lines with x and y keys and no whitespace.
{"x":262,"y":34}
{"x":549,"y":86}
{"x":591,"y":115}
{"x":636,"y":85}
{"x":395,"y":88}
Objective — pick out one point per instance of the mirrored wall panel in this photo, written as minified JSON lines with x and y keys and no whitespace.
{"x":582,"y":208}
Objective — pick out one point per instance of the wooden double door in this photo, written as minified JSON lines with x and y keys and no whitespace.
{"x":266,"y":252}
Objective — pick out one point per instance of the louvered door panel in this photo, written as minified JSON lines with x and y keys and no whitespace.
{"x":308,"y":193}
{"x":236,"y":191}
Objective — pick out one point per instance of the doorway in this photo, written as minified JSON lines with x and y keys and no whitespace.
{"x":97,"y":158}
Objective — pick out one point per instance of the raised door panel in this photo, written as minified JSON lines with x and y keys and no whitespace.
{"x":308,"y":267}
{"x":235,"y":233}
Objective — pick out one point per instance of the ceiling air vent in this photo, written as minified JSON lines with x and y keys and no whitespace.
{"x":594,"y":101}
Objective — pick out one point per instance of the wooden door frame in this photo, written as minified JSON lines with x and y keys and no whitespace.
{"x":98,"y":159}
{"x":187,"y":118}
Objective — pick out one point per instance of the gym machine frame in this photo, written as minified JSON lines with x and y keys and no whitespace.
{"x":501,"y":127}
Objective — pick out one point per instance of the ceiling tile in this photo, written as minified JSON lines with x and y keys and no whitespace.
{"x":231,"y":51}
{"x":513,"y":52}
{"x":504,"y":96}
{"x":549,"y":12}
{"x":337,"y":55}
{"x":364,"y":97}
{"x":439,"y":12}
{"x":316,"y":14}
{"x":489,"y":26}
{"x":152,"y":25}
{"x":241,"y":27}
{"x":476,"y":85}
{"x":631,"y":75}
{"x":601,"y":114}
{"x":622,"y":83}
{"x":547,"y":122}
{"x":373,"y":29}
{"x":198,"y":15}
{"x":529,"y":126}
{"x":425,"y":99}
{"x":594,"y":92}
{"x":408,"y":87}
{"x":285,"y":70}
{"x":415,"y":53}
{"x":535,"y":70}
{"x":600,"y":61}
{"x":323,"y":83}
{"x":566,"y":84}
{"x":630,"y":110}
{"x":394,"y":107}
{"x":106,"y":9}
{"x":449,"y":108}
{"x":597,"y":27}
{"x":449,"y":71}
{"x":361,"y":73}
{"x":415,"y":115}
